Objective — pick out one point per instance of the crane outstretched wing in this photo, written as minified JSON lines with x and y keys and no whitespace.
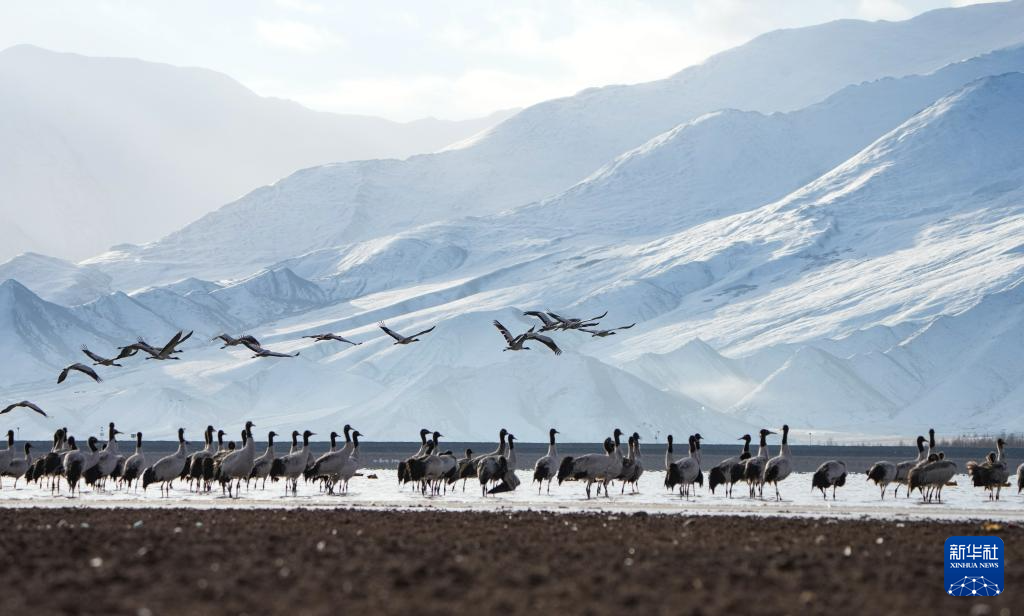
{"x":540,"y":315}
{"x":546,"y":341}
{"x":426,"y":331}
{"x":504,"y":332}
{"x":25,"y":404}
{"x":93,"y":356}
{"x":387,"y":331}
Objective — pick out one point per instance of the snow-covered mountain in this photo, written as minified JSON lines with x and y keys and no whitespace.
{"x":56,"y":280}
{"x":548,"y":147}
{"x":907,"y":215}
{"x":851,"y":267}
{"x":105,"y":150}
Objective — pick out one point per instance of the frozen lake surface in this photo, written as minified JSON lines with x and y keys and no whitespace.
{"x":858,"y":499}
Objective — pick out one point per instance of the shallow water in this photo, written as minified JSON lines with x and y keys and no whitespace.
{"x":859,"y":498}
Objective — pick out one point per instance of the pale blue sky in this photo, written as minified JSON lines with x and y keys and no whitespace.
{"x":407,"y":59}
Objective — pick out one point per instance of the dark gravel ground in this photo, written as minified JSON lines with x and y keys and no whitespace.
{"x":186,"y":561}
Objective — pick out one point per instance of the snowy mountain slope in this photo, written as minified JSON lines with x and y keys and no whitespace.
{"x":266,"y":296}
{"x":732,"y":161}
{"x":121,"y":317}
{"x":548,"y":147}
{"x":108,"y":150}
{"x":37,"y":338}
{"x":816,"y":390}
{"x":696,"y":370}
{"x":909,"y":229}
{"x":958,"y":373}
{"x":56,"y":280}
{"x":901,"y":231}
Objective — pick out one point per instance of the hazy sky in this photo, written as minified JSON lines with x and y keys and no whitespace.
{"x":402,"y":60}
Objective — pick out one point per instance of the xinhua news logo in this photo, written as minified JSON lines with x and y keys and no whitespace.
{"x":974,"y":566}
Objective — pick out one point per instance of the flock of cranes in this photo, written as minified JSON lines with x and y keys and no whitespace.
{"x":434,"y":472}
{"x":550,"y":322}
{"x":216,"y":463}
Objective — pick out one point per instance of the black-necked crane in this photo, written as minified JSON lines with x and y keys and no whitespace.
{"x":637,"y":468}
{"x":432,"y":469}
{"x":993,"y":473}
{"x":135,"y":464}
{"x":76,"y":462}
{"x":464,"y":469}
{"x":403,"y":468}
{"x":518,"y":343}
{"x":167,"y":468}
{"x":931,"y":476}
{"x":350,"y":466}
{"x":491,"y":467}
{"x":568,"y":323}
{"x":139,"y":345}
{"x":98,"y":360}
{"x":291,"y":466}
{"x":329,"y":336}
{"x":753,"y":468}
{"x":106,"y":462}
{"x":7,"y":455}
{"x":593,"y":467}
{"x":546,"y":467}
{"x":323,"y":472}
{"x":199,"y":466}
{"x":628,"y":461}
{"x":509,"y":481}
{"x":399,"y":338}
{"x":261,"y":467}
{"x":332,"y":464}
{"x":246,"y":340}
{"x":77,"y":367}
{"x":779,"y":467}
{"x":51,"y":464}
{"x":730,"y":470}
{"x":546,"y":323}
{"x":831,"y":474}
{"x":684,"y":471}
{"x":268,"y":353}
{"x":903,"y":468}
{"x":512,"y":343}
{"x":24,"y":404}
{"x":882,"y":473}
{"x":237,"y":465}
{"x":169,"y":350}
{"x":19,"y":467}
{"x":604,"y":333}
